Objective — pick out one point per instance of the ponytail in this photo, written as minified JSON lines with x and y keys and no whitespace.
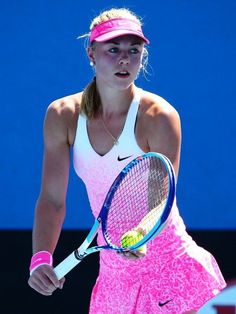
{"x":90,"y":100}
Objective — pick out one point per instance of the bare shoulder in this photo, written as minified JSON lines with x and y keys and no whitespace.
{"x":65,"y":106}
{"x":61,"y":117}
{"x":156,"y":107}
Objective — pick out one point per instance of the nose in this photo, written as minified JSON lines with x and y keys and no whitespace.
{"x":124,"y":59}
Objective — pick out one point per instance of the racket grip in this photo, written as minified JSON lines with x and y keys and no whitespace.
{"x":66,"y":265}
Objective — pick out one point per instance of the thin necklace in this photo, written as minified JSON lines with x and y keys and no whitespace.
{"x":115,"y":139}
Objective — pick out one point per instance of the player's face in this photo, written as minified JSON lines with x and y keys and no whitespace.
{"x":118,"y":61}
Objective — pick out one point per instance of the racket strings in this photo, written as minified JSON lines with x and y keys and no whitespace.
{"x":138,"y":201}
{"x":158,"y":186}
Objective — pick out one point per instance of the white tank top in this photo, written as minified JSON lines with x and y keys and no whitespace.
{"x":98,"y":172}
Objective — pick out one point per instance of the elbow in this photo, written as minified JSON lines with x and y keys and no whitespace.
{"x":50,"y":206}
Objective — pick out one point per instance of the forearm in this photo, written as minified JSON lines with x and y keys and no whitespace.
{"x":47,"y":225}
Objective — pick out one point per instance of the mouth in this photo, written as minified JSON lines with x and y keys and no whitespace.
{"x":122,"y":74}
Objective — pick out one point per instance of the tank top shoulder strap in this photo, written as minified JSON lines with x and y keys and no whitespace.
{"x":81,"y":136}
{"x":132,"y":113}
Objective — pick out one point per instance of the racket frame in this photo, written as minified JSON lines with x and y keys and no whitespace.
{"x":160,"y":224}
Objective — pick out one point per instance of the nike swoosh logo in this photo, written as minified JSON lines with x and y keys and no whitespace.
{"x":123,"y":158}
{"x":163,"y":303}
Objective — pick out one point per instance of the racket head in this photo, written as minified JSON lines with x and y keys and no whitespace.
{"x":140,"y":197}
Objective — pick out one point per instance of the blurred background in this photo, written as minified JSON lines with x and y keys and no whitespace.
{"x":191,"y":64}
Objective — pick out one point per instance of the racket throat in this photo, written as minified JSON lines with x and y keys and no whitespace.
{"x":79,"y":256}
{"x":82,"y":251}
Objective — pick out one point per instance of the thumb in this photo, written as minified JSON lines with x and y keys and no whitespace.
{"x":61,"y":284}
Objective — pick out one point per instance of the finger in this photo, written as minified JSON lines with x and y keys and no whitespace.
{"x":128,"y":255}
{"x":62,"y":281}
{"x":49,"y":272}
{"x":39,"y":287}
{"x":40,"y":290}
{"x":133,"y":255}
{"x":138,"y":253}
{"x":141,"y":230}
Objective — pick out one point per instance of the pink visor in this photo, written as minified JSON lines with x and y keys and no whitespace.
{"x":116,"y":27}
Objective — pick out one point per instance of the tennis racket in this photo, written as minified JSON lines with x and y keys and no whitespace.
{"x":141,"y":197}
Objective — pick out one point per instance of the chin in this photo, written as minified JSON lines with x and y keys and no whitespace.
{"x":118,"y":84}
{"x":123,"y":84}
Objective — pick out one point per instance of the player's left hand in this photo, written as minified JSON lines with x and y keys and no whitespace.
{"x":133,"y":255}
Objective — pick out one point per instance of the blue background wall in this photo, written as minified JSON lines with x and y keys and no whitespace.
{"x":192,"y":65}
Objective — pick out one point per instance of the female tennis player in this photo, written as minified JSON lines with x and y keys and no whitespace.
{"x":108,"y":124}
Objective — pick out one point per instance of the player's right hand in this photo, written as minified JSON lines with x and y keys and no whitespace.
{"x":44,"y":280}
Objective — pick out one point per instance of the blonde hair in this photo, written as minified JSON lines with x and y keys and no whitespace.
{"x":91,"y":101}
{"x":112,"y":14}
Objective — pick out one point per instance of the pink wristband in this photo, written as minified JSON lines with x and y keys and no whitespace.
{"x":40,"y":258}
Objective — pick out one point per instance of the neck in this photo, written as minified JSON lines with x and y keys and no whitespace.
{"x":115,"y":101}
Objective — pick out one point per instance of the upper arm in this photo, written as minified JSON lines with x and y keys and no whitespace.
{"x":164,"y":133}
{"x":56,"y":157}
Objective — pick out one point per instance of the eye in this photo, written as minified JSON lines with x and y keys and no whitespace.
{"x":134,"y":50}
{"x":113,"y":50}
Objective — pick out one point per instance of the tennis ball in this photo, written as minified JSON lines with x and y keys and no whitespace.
{"x":132,"y":237}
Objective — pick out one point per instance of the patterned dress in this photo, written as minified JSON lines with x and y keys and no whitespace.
{"x":175,"y":276}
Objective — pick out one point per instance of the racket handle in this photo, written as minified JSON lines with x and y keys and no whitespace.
{"x":66,"y":265}
{"x":76,"y":257}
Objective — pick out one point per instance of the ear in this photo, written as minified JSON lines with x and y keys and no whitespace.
{"x":90,"y":53}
